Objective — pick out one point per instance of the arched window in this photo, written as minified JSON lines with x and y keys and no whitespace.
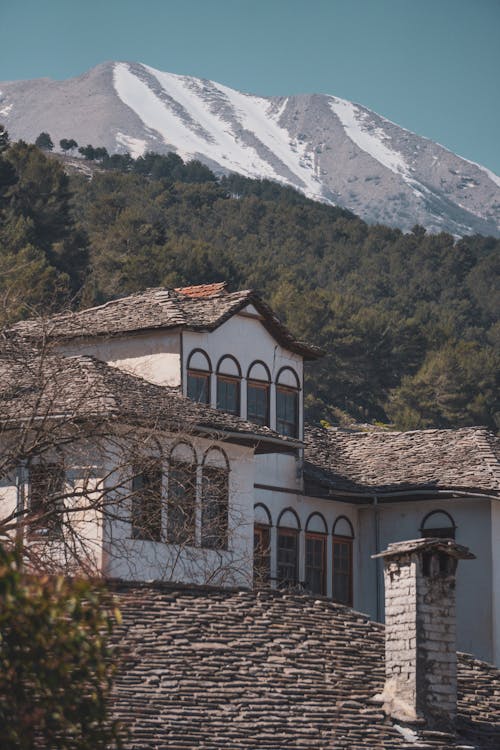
{"x":438,"y":523}
{"x":261,"y":545}
{"x":198,"y":376}
{"x":146,"y":515}
{"x":181,"y":506}
{"x":45,"y":498}
{"x":316,"y":537}
{"x":288,"y":547}
{"x":287,"y":402}
{"x":343,"y":535}
{"x":258,"y":389}
{"x":214,"y":499}
{"x":228,"y":385}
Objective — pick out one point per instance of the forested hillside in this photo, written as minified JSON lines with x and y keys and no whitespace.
{"x":408,"y":321}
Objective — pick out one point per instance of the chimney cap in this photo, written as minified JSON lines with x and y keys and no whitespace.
{"x":429,"y":544}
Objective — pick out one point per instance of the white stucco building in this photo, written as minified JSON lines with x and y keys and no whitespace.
{"x":211,"y":384}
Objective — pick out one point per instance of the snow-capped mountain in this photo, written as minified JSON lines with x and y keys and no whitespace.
{"x":329,"y":148}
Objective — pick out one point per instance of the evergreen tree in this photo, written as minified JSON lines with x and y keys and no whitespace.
{"x":68,"y":144}
{"x":44,"y":141}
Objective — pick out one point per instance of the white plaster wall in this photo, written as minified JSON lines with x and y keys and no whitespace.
{"x":133,"y":559}
{"x":402,"y":520}
{"x":154,"y":356}
{"x":276,"y":502}
{"x":247,"y":340}
{"x":495,"y":561}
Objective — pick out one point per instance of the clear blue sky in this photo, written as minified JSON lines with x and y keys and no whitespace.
{"x":432,"y":66}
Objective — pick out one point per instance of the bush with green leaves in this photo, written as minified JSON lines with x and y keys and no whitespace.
{"x":56,"y":664}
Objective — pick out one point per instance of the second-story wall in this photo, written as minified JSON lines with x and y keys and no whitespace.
{"x":153,"y":355}
{"x":244,"y":338}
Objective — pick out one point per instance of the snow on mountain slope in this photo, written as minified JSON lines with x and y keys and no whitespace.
{"x":329,"y":148}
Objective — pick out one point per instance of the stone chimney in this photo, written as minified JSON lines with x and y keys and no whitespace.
{"x":420,"y":641}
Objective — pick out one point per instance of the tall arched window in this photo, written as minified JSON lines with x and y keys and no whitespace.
{"x":198,"y":376}
{"x":261,"y":545}
{"x":288,"y":547}
{"x":228,"y":385}
{"x":438,"y":523}
{"x":343,"y":535}
{"x":287,"y":402}
{"x":316,"y":537}
{"x":181,"y":505}
{"x":215,"y":499}
{"x":146,"y":515}
{"x":258,"y":389}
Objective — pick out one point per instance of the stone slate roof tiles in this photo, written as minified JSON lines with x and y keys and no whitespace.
{"x":83,"y":387}
{"x":466,"y":459}
{"x":202,"y":308}
{"x":271,"y":670}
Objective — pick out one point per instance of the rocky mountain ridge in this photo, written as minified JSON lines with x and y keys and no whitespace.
{"x":329,"y":148}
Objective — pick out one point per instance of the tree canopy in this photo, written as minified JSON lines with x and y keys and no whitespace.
{"x":408,"y":321}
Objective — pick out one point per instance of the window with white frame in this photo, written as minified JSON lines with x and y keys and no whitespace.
{"x":198,"y":376}
{"x":261,"y":545}
{"x":287,"y":402}
{"x":287,"y":553}
{"x":45,"y":499}
{"x":228,"y":385}
{"x":182,"y":490}
{"x":316,"y":545}
{"x":215,"y":500}
{"x":258,"y":394}
{"x":147,"y":501}
{"x":342,"y":548}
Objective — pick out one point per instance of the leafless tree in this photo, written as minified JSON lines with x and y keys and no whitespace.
{"x":103,"y":472}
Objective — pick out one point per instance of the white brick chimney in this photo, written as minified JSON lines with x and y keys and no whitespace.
{"x":420,"y":641}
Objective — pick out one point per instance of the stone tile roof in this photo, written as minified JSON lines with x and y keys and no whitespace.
{"x":84,"y":387}
{"x":270,"y":670}
{"x":202,"y":308}
{"x":466,"y":459}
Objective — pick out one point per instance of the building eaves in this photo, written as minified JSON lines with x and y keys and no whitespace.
{"x":202,"y":308}
{"x":385,"y":463}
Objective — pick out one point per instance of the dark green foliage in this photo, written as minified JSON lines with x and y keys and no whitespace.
{"x":4,"y":138}
{"x":408,"y":321}
{"x":43,"y":253}
{"x":56,"y":667}
{"x":44,"y":141}
{"x":88,"y":152}
{"x":68,"y":144}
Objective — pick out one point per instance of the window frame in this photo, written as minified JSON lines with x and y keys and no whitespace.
{"x":346,"y":541}
{"x":187,"y":535}
{"x":217,"y":539}
{"x":261,"y":385}
{"x":51,"y":528}
{"x":199,"y":375}
{"x":262,"y":554}
{"x":442,"y":532}
{"x":222,"y":378}
{"x":142,"y":495}
{"x":287,"y":532}
{"x":323,"y":537}
{"x":288,"y":390}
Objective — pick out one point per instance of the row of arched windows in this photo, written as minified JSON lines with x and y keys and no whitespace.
{"x":282,"y":554}
{"x":258,"y":390}
{"x":181,"y":501}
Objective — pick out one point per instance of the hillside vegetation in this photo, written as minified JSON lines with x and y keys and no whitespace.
{"x":408,"y":321}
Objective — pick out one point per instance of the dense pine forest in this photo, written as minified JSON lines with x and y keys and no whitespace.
{"x":408,"y":321}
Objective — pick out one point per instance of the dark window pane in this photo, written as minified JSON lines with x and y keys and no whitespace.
{"x":342,"y":571}
{"x":258,"y":403}
{"x":146,"y":503}
{"x":228,"y":394}
{"x":181,"y":503}
{"x":45,"y":501}
{"x":287,"y":411}
{"x":448,"y":533}
{"x":198,"y":386}
{"x":288,"y":555}
{"x":261,"y":554}
{"x":214,"y":509}
{"x":315,"y":563}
